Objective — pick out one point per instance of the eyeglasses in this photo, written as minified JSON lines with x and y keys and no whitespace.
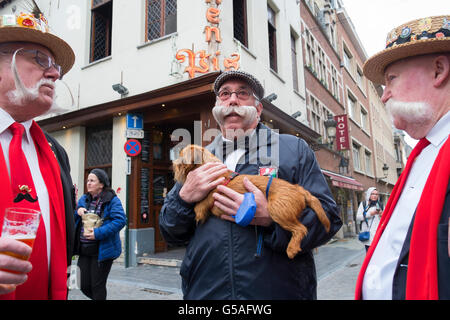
{"x":43,"y":60}
{"x":241,"y":94}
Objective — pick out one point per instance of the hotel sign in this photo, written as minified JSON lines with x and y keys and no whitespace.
{"x":208,"y":61}
{"x":342,"y":137}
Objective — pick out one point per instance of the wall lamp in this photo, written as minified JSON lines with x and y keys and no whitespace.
{"x":330,"y":126}
{"x":120,"y":89}
{"x":385,"y":173}
{"x":271,"y":97}
{"x":297,"y":114}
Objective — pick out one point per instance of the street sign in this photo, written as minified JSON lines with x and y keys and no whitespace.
{"x":128,"y":172}
{"x":135,"y":134}
{"x":135,"y":121}
{"x":132,"y":147}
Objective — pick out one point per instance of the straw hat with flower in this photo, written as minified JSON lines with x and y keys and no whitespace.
{"x":33,"y":27}
{"x":417,"y":37}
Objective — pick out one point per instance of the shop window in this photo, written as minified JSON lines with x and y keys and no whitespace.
{"x":272,"y":39}
{"x":240,"y":21}
{"x":99,"y":149}
{"x":101,"y":27}
{"x":161,"y":18}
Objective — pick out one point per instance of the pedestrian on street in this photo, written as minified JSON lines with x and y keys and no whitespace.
{"x":409,"y":257}
{"x":369,"y":214}
{"x":98,"y":244}
{"x":34,"y":168}
{"x":223,"y":259}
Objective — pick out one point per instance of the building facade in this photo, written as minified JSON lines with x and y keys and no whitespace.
{"x":144,"y":69}
{"x":336,"y":88}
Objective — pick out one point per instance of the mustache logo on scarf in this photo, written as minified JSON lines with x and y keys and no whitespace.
{"x":24,"y":194}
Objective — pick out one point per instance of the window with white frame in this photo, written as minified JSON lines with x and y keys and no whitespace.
{"x":334,"y":83}
{"x":364,"y":119}
{"x":351,"y":105}
{"x":294,"y":62}
{"x":347,"y":60}
{"x":356,"y":156}
{"x":368,"y":162}
{"x":359,"y":78}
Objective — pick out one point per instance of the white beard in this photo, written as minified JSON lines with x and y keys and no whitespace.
{"x":417,"y":113}
{"x":247,"y":113}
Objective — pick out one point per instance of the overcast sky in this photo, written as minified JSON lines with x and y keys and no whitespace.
{"x":373,"y":20}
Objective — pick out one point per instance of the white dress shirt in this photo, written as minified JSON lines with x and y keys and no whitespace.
{"x":29,"y":150}
{"x":378,"y":279}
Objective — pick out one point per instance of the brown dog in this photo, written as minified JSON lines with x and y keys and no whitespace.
{"x":285,"y":201}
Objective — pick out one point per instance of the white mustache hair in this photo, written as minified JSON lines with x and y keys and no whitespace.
{"x":22,"y":94}
{"x":411,"y":112}
{"x":248,"y":113}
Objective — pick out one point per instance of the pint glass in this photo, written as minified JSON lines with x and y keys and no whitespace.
{"x":21,"y":224}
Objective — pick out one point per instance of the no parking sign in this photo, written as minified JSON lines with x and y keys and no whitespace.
{"x":132,"y":147}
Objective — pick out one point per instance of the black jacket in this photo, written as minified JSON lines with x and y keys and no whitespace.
{"x":443,"y":255}
{"x":220,"y":260}
{"x":68,"y":193}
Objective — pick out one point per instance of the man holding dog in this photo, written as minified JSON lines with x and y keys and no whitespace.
{"x":409,"y":257}
{"x":31,"y":61}
{"x":223,"y":259}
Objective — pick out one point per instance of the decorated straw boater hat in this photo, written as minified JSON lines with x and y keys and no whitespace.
{"x":240,"y":75}
{"x":417,"y":37}
{"x":26,"y":27}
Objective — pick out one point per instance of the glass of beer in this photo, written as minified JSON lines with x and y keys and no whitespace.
{"x":21,"y":224}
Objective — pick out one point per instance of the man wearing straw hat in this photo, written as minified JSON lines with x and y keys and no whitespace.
{"x":410,"y":254}
{"x":34,"y":168}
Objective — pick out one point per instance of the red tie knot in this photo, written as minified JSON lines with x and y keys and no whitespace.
{"x":17,"y":129}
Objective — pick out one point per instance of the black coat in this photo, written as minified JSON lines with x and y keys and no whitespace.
{"x":220,"y":260}
{"x":443,"y":255}
{"x":68,"y":193}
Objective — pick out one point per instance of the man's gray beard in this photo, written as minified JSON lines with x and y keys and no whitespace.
{"x":247,"y":113}
{"x":21,"y":95}
{"x":417,"y":113}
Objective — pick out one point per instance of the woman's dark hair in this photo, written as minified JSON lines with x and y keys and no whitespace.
{"x":102,"y":177}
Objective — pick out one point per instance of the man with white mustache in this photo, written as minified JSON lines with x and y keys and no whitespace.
{"x":410,"y":254}
{"x":225,"y":260}
{"x":31,"y":61}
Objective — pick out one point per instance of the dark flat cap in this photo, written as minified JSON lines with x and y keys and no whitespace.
{"x":239,"y":75}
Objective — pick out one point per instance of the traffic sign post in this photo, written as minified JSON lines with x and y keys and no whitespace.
{"x":135,"y":121}
{"x":132,"y":147}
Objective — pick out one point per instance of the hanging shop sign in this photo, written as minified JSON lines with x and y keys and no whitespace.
{"x":342,"y":138}
{"x":208,"y":61}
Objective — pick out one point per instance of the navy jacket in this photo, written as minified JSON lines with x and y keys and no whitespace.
{"x":114,"y":219}
{"x":443,"y":255}
{"x":220,"y":260}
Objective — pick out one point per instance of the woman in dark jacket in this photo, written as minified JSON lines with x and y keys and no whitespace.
{"x":98,"y":246}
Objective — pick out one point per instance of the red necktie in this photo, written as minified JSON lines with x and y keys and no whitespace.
{"x":24,"y":195}
{"x":390,"y":206}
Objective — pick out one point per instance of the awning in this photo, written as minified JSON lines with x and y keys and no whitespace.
{"x":338,"y":180}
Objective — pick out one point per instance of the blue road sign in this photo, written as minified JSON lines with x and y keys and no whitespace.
{"x":132,"y":147}
{"x":135,"y":121}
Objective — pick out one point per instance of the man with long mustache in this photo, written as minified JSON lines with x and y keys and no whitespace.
{"x":34,"y":168}
{"x":223,"y":259}
{"x":410,"y":254}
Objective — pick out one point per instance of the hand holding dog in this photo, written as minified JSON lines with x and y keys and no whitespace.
{"x":229,"y":202}
{"x":202,"y":180}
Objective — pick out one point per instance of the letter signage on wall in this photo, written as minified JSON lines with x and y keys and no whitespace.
{"x":208,"y":61}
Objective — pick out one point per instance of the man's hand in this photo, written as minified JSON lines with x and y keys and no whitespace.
{"x":229,"y":202}
{"x":202,"y":180}
{"x":9,"y":280}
